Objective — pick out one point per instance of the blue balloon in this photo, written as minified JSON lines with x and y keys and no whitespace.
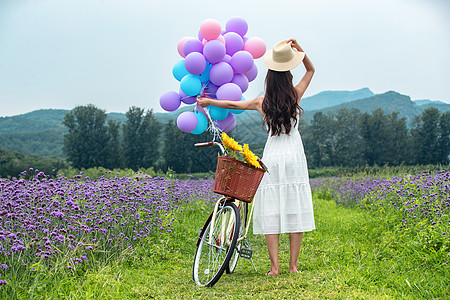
{"x":202,"y":123}
{"x":191,"y":85}
{"x":238,"y":111}
{"x":204,"y":77}
{"x":179,"y":70}
{"x":218,"y":113}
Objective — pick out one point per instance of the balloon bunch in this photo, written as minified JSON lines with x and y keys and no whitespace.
{"x":219,"y":64}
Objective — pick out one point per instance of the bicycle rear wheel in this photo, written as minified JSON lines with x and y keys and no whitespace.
{"x":243,"y":209}
{"x":216,"y":247}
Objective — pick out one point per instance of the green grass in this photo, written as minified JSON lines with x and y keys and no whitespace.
{"x":351,"y":255}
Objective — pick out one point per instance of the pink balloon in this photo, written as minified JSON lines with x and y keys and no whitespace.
{"x":233,"y":42}
{"x":241,"y":61}
{"x":238,"y":25}
{"x":181,"y":44}
{"x":170,"y":101}
{"x":214,"y":51}
{"x":251,"y":75}
{"x":229,"y":91}
{"x":187,"y":121}
{"x":241,"y":80}
{"x":255,"y":46}
{"x":210,"y":29}
{"x":221,"y":73}
{"x":220,"y":39}
{"x":228,"y":123}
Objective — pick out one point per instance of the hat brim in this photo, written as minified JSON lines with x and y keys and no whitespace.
{"x":283,"y":66}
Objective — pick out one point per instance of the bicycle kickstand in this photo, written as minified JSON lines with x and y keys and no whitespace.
{"x":246,"y":252}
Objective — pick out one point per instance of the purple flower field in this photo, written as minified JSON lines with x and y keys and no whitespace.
{"x":418,"y":205}
{"x":45,"y":221}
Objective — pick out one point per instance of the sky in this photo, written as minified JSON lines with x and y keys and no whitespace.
{"x":119,"y":53}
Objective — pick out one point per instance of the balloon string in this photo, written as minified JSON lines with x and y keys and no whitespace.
{"x":212,"y":124}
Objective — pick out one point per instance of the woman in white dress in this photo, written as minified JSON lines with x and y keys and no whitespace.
{"x":283,"y":202}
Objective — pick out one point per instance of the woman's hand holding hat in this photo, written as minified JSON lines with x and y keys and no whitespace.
{"x":295,"y":45}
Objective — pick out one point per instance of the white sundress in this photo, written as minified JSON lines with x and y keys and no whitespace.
{"x":283,"y":201}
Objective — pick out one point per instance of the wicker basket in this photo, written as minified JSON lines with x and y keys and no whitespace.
{"x":236,"y":179}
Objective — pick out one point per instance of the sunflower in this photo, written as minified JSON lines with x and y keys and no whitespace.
{"x":250,"y":157}
{"x":230,"y":144}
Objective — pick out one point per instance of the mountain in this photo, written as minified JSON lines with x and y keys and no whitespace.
{"x":390,"y":102}
{"x":333,"y":98}
{"x":41,"y":132}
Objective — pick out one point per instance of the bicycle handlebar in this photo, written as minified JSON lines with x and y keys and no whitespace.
{"x":210,"y":144}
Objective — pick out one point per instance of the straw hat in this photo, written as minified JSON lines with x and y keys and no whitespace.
{"x":283,"y":57}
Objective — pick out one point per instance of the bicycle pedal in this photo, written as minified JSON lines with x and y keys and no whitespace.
{"x":246,"y":253}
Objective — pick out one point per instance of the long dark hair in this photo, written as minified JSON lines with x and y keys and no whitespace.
{"x":280,"y":103}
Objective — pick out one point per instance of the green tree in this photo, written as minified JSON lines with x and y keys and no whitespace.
{"x":175,"y":153}
{"x":396,"y":145}
{"x":319,"y":140}
{"x":114,"y":157}
{"x":141,"y":136}
{"x":87,"y":137}
{"x":180,"y":154}
{"x":373,"y":132}
{"x":444,"y":138}
{"x":425,"y":137}
{"x":347,"y":139}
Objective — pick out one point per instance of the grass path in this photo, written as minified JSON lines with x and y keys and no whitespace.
{"x":349,"y":256}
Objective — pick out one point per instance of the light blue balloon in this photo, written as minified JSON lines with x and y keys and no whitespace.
{"x":202,"y":123}
{"x":238,"y":111}
{"x":179,"y":70}
{"x":191,"y":85}
{"x":204,"y":77}
{"x":218,"y":113}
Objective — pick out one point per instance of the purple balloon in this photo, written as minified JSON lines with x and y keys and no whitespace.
{"x":211,"y":90}
{"x":228,"y":123}
{"x":229,"y":91}
{"x":242,"y":61}
{"x":187,"y":99}
{"x":214,"y":51}
{"x":241,"y":80}
{"x":226,"y":58}
{"x":233,"y":42}
{"x":238,"y":25}
{"x":221,"y":73}
{"x":170,"y":101}
{"x":200,"y":36}
{"x":192,"y":45}
{"x":195,"y":63}
{"x":187,"y":121}
{"x":251,"y":75}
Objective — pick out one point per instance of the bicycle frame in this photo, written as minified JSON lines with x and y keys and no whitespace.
{"x":216,"y":206}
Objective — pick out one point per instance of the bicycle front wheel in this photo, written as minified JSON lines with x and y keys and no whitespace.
{"x":216,"y":245}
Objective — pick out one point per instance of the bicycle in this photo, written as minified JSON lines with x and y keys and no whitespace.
{"x":219,"y":244}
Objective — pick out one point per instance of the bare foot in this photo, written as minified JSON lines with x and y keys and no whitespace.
{"x":271,"y":273}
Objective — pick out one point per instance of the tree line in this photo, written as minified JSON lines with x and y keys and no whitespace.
{"x":344,"y":138}
{"x":140,"y":142}
{"x":349,"y":138}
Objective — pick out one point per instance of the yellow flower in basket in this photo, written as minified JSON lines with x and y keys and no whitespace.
{"x":249,"y":157}
{"x":230,"y":144}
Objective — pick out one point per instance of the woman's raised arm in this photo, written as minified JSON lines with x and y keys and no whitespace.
{"x":306,"y":79}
